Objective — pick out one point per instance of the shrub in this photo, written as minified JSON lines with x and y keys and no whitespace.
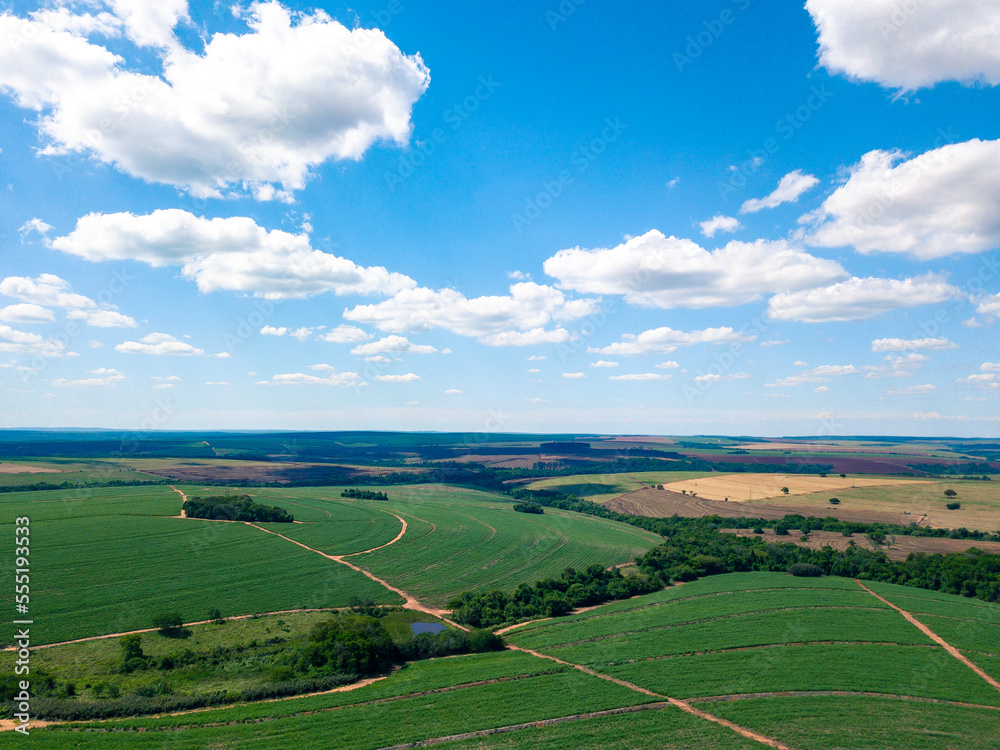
{"x":834,"y":501}
{"x":953,"y":506}
{"x":805,"y":570}
{"x":758,"y":529}
{"x":950,"y":493}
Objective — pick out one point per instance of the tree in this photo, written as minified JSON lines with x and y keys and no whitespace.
{"x":834,"y":501}
{"x":843,"y":476}
{"x":556,"y":604}
{"x":950,"y":493}
{"x":953,"y":506}
{"x":784,"y":490}
{"x":216,"y":616}
{"x":348,"y":644}
{"x":132,"y":656}
{"x":169,"y":624}
{"x":805,"y":570}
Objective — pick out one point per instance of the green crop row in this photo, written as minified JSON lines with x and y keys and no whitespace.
{"x":743,"y":631}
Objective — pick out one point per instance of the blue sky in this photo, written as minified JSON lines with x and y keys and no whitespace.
{"x":723,"y":217}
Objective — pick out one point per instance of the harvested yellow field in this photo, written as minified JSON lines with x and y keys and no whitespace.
{"x":744,"y":487}
{"x":25,"y":469}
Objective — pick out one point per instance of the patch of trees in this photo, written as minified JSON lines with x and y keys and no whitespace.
{"x":952,"y":469}
{"x":551,"y":597}
{"x":528,"y":508}
{"x":361,"y":645}
{"x":357,"y":494}
{"x":235,"y":508}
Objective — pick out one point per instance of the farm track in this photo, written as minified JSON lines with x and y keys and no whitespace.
{"x":410,"y":602}
{"x":936,"y":638}
{"x":683,"y":705}
{"x":310,"y":712}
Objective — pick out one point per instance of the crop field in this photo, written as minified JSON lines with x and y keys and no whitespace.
{"x":333,"y":525}
{"x":924,"y":502}
{"x":108,"y":560}
{"x":459,"y":540}
{"x":834,"y":723}
{"x":747,"y":487}
{"x":363,"y":725}
{"x":600,"y":488}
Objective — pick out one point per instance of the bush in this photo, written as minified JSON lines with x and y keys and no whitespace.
{"x":834,"y":501}
{"x":950,"y":493}
{"x":805,"y":570}
{"x":758,"y":529}
{"x":953,"y":506}
{"x":528,"y":508}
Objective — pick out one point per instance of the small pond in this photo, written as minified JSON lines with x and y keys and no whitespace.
{"x":426,"y":627}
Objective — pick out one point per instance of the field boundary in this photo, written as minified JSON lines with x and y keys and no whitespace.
{"x":937,"y":639}
{"x":683,"y":705}
{"x":712,"y":619}
{"x":835,"y":694}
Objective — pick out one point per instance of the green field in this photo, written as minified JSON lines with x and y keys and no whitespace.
{"x":108,"y":560}
{"x":459,"y":540}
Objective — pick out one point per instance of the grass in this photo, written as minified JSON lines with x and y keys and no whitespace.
{"x":970,"y":635}
{"x":74,"y":504}
{"x":690,"y":610}
{"x":417,"y":677}
{"x":381,"y":724}
{"x":646,"y":730}
{"x":896,"y":670}
{"x":980,"y":502}
{"x":233,"y":656}
{"x":834,"y":723}
{"x":105,"y":574}
{"x":600,"y":488}
{"x":743,"y":631}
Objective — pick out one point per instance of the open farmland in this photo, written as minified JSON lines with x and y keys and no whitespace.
{"x":459,"y":540}
{"x":924,"y":502}
{"x":107,"y":560}
{"x":826,"y":665}
{"x":748,"y":487}
{"x":901,"y":547}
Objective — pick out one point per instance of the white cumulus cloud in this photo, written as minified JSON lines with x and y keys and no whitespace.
{"x":657,"y":271}
{"x":719,"y":224}
{"x":665,"y":340}
{"x":407,"y":378}
{"x":790,"y":187}
{"x":159,"y":344}
{"x":529,"y":306}
{"x":104,"y":377}
{"x":905,"y":345}
{"x":234,"y":254}
{"x":942,"y":202}
{"x":641,"y":376}
{"x":909,"y":45}
{"x":859,"y":299}
{"x":253,"y":111}
{"x":345,"y":335}
{"x":26,"y":312}
{"x":395,"y":344}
